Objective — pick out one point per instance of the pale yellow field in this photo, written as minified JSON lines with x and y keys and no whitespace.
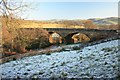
{"x":45,"y":25}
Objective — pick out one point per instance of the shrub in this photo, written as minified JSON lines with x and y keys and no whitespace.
{"x":28,"y":39}
{"x":39,"y":38}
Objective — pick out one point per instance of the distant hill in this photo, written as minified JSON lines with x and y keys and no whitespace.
{"x":105,"y":21}
{"x":76,"y":23}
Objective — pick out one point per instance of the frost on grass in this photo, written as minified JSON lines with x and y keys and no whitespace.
{"x":98,"y":61}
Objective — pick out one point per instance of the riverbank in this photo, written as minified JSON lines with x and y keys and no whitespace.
{"x":97,"y":61}
{"x":52,"y":49}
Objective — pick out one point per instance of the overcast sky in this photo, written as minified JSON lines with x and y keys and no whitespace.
{"x":43,"y":10}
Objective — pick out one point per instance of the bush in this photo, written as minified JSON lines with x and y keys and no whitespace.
{"x":28,"y":39}
{"x":7,"y":46}
{"x":39,"y":39}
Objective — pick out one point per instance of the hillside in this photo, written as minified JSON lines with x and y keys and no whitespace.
{"x":76,"y":23}
{"x":105,"y":21}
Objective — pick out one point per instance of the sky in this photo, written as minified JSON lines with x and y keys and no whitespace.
{"x":70,"y":0}
{"x":71,"y":10}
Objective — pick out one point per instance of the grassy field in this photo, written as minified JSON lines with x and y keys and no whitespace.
{"x":45,"y":24}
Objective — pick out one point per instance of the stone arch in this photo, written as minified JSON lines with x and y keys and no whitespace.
{"x":81,"y":37}
{"x":77,"y":37}
{"x":55,"y":37}
{"x":68,"y":38}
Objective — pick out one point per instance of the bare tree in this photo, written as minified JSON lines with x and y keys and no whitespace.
{"x":20,"y":38}
{"x":9,"y":11}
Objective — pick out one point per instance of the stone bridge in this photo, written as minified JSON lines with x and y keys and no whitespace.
{"x":93,"y":34}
